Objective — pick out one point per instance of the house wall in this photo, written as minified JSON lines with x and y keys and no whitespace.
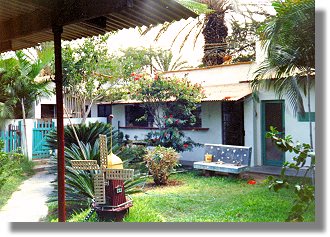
{"x":224,"y":74}
{"x":298,"y":130}
{"x":250,"y":127}
{"x":211,"y":119}
{"x":211,"y":113}
{"x":37,"y":106}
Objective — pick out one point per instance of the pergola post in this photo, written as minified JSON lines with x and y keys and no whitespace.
{"x":57,"y":30}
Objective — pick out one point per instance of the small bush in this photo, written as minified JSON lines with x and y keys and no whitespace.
{"x":160,"y":162}
{"x":132,"y":155}
{"x":13,"y":164}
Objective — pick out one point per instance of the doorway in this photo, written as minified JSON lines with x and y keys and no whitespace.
{"x":233,"y":123}
{"x":272,"y":114}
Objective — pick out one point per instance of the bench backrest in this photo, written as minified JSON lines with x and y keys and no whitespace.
{"x":229,"y":154}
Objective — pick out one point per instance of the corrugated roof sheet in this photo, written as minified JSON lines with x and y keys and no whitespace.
{"x":142,"y":12}
{"x":226,"y":92}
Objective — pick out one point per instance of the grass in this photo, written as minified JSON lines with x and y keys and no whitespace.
{"x":15,"y":180}
{"x":196,"y":198}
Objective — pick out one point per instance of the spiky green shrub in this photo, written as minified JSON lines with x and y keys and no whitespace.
{"x":79,"y":183}
{"x":87,"y":133}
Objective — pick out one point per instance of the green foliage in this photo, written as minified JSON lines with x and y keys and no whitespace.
{"x":196,"y":6}
{"x":160,"y":162}
{"x":129,"y":60}
{"x":18,"y":86}
{"x":86,"y":73}
{"x":304,"y":189}
{"x":79,"y":183}
{"x":171,"y":102}
{"x":133,"y":157}
{"x":171,"y":136}
{"x":164,"y":61}
{"x":156,"y":93}
{"x":289,"y":41}
{"x":191,"y":197}
{"x":87,"y":133}
{"x":13,"y":164}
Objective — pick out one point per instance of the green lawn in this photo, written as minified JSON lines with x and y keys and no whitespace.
{"x":209,"y":199}
{"x":11,"y":185}
{"x":15,"y":179}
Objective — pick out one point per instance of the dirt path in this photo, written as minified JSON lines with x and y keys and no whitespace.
{"x":28,"y":203}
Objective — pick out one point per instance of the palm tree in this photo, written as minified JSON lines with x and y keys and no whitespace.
{"x":165,"y":61}
{"x":22,"y":90}
{"x":215,"y":32}
{"x":220,"y":46}
{"x":6,"y":100}
{"x":289,"y":41}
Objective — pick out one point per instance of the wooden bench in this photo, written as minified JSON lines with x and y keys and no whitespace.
{"x":226,"y":159}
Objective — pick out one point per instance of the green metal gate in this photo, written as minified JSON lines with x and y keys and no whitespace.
{"x":40,"y":130}
{"x":11,"y":138}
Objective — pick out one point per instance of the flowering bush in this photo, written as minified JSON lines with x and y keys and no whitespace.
{"x":171,"y":136}
{"x":171,"y":101}
{"x":157,"y":91}
{"x":160,"y":162}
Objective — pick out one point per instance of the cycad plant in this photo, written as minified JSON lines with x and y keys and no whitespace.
{"x":87,"y":133}
{"x":79,"y":183}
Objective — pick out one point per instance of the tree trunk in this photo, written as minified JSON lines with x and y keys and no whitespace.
{"x":215,"y":33}
{"x":26,"y":151}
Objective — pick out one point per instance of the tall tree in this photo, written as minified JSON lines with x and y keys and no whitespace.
{"x":21,"y":89}
{"x":215,"y":32}
{"x":289,"y":41}
{"x":226,"y":38}
{"x":85,"y":73}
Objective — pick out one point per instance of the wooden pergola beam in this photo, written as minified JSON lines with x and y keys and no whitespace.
{"x":5,"y":45}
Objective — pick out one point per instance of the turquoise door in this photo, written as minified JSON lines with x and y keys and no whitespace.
{"x":272,"y":114}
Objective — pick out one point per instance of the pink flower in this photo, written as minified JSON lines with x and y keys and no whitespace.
{"x":171,"y":116}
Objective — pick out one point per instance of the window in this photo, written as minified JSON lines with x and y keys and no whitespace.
{"x":198,"y":116}
{"x":104,"y":110}
{"x":305,"y":117}
{"x":176,"y":110}
{"x":48,"y":111}
{"x":137,"y":116}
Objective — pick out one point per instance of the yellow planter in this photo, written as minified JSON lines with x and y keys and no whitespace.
{"x":208,"y":157}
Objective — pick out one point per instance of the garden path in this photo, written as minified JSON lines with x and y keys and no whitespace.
{"x":28,"y":203}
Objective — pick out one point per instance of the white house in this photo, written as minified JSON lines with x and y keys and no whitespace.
{"x":228,"y":114}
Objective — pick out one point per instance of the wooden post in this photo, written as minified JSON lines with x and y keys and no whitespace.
{"x":57,"y":30}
